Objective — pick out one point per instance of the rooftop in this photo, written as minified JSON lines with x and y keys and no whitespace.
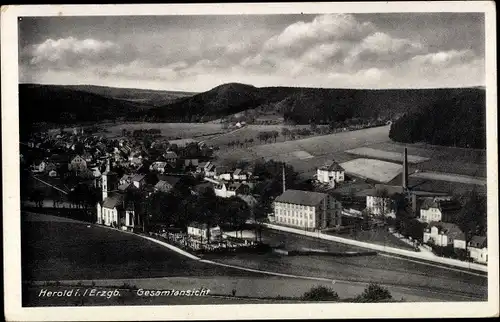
{"x":331,"y":165}
{"x":451,"y":230}
{"x":300,"y":197}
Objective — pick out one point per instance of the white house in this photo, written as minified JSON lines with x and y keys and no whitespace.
{"x":227,"y":190}
{"x":478,"y":250}
{"x":200,"y":231}
{"x":330,"y":173}
{"x":239,"y":175}
{"x":438,"y":209}
{"x":307,"y":209}
{"x":380,"y":200}
{"x":444,"y":234}
{"x":222,"y":173}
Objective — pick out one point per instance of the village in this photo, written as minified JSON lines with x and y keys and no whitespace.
{"x":179,"y":192}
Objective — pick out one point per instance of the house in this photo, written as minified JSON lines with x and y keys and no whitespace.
{"x":444,"y":234}
{"x":380,"y":200}
{"x":239,"y":175}
{"x":478,"y":250}
{"x":307,"y":209}
{"x":38,"y":166}
{"x":138,"y":180}
{"x":330,"y":173}
{"x":227,"y":190}
{"x":77,"y":163}
{"x":166,"y":184}
{"x":126,"y":178}
{"x":170,"y":157}
{"x":158,"y":166}
{"x":191,"y":162}
{"x":222,"y":173}
{"x":201,"y":231}
{"x":52,"y":173}
{"x":210,"y":170}
{"x":438,"y":209}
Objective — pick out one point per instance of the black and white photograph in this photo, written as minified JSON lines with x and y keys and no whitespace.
{"x":228,"y":161}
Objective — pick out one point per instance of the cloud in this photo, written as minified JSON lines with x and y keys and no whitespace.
{"x":68,"y":52}
{"x":445,"y":58}
{"x":323,"y":28}
{"x":380,"y":49}
{"x":335,"y":50}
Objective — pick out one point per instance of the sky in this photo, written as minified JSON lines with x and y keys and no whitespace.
{"x":197,"y":53}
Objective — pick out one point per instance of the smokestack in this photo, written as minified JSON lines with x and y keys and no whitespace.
{"x":414,"y":203}
{"x":405,"y":169}
{"x":284,"y":180}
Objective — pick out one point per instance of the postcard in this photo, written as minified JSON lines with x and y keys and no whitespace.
{"x":249,"y":161}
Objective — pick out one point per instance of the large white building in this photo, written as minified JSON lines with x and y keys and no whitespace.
{"x":307,"y":209}
{"x":330,"y":173}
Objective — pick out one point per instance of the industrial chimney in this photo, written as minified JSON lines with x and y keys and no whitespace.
{"x":405,"y":169}
{"x":284,"y":180}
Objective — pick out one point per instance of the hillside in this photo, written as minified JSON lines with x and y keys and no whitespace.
{"x":60,"y":105}
{"x":141,"y":96}
{"x":303,"y":105}
{"x":456,"y":121}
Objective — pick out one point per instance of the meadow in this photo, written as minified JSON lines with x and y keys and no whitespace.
{"x":168,"y":130}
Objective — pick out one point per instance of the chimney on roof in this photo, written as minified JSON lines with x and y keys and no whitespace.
{"x":405,"y":169}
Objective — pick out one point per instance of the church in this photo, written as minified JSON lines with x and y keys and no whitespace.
{"x":114,"y":210}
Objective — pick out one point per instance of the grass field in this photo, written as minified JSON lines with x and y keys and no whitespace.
{"x":56,"y":250}
{"x":385,"y":155}
{"x":169,"y":130}
{"x":449,"y":177}
{"x":377,"y":170}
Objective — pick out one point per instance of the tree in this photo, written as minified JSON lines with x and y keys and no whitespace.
{"x":320,"y":293}
{"x":285,"y":132}
{"x":313,"y":126}
{"x":375,"y":293}
{"x":275,"y":135}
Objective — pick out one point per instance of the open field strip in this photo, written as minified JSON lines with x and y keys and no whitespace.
{"x":385,"y":249}
{"x":449,"y":177}
{"x":377,"y":170}
{"x":181,"y":130}
{"x":386,"y":155}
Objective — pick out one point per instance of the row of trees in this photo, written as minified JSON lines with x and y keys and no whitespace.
{"x":459,"y":121}
{"x":372,"y":293}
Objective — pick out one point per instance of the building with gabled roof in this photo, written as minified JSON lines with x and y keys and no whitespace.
{"x":478,"y":249}
{"x":331,"y":173}
{"x":444,"y":234}
{"x":439,"y":209}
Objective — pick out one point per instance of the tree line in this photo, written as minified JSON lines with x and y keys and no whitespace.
{"x":459,"y":121}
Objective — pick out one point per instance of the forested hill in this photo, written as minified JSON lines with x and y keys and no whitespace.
{"x":59,"y":105}
{"x":302,"y":105}
{"x":459,"y":120}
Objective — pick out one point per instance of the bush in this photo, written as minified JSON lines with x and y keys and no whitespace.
{"x":320,"y":293}
{"x":375,"y":293}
